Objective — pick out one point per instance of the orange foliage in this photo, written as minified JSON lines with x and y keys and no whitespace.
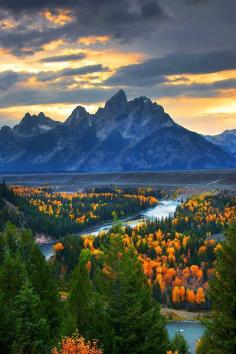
{"x":77,"y":345}
{"x":58,"y":247}
{"x":200,"y":297}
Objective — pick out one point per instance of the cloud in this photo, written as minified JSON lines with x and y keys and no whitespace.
{"x":205,"y":90}
{"x":120,"y":20}
{"x":195,"y":2}
{"x":25,"y":5}
{"x":174,"y":64}
{"x":63,"y":58}
{"x":59,"y":92}
{"x":10,"y":78}
{"x":29,"y":97}
{"x":52,"y":75}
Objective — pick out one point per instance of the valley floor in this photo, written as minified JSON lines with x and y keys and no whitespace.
{"x":197,"y":179}
{"x":183,"y":315}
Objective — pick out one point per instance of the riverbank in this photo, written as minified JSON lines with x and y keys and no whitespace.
{"x":71,"y":181}
{"x":183,"y":315}
{"x":163,"y":209}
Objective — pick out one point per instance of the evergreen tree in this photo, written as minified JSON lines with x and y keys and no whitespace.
{"x":220,"y":336}
{"x":32,"y":330}
{"x":133,"y":323}
{"x":40,"y":276}
{"x":21,"y":261}
{"x":156,"y":291}
{"x":7,"y":324}
{"x":12,"y":276}
{"x":178,"y":344}
{"x":83,"y":298}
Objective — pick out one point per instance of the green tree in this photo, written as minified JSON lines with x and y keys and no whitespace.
{"x":41,"y":277}
{"x":12,"y":276}
{"x":156,"y":291}
{"x":32,"y":330}
{"x":179,"y":344}
{"x":83,"y":298}
{"x":7,"y":324}
{"x":21,"y":261}
{"x":133,"y":323}
{"x":220,"y":335}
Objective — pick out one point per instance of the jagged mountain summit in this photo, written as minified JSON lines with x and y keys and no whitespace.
{"x":34,"y":125}
{"x":135,"y":135}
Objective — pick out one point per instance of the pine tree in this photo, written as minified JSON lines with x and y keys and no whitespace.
{"x":12,"y":276}
{"x":220,"y":336}
{"x":40,"y":276}
{"x":7,"y":324}
{"x":32,"y":330}
{"x":83,"y":298}
{"x":133,"y":323}
{"x":21,"y":261}
{"x":179,"y":345}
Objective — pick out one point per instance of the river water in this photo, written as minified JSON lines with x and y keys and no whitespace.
{"x":165,"y":209}
{"x":191,"y":330}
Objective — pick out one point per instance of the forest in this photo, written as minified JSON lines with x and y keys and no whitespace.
{"x":103,"y":294}
{"x":59,"y":213}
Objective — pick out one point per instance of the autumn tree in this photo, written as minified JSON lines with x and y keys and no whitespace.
{"x":76,"y":344}
{"x":220,"y":335}
{"x":132,"y":319}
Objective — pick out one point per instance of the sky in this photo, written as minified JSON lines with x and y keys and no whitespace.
{"x":57,"y":54}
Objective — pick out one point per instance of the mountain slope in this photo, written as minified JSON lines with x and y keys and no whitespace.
{"x":122,"y":136}
{"x":226,"y":140}
{"x":32,"y":125}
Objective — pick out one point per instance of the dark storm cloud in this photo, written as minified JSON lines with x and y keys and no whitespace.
{"x":123,"y":19}
{"x":152,"y":9}
{"x":10,"y":78}
{"x":33,"y":96}
{"x":66,"y":76}
{"x":52,"y":75}
{"x":63,"y":58}
{"x":194,"y":90}
{"x":195,"y":2}
{"x":174,"y":64}
{"x":58,"y":92}
{"x":24,"y":5}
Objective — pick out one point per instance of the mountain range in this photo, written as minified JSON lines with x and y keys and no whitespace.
{"x":226,"y":140}
{"x":135,"y":135}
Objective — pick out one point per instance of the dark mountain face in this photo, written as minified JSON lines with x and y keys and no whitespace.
{"x":225,"y":140}
{"x":122,"y":136}
{"x":34,"y":125}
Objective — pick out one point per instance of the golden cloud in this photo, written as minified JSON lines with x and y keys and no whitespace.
{"x":94,"y":39}
{"x":59,"y":17}
{"x":7,"y":24}
{"x":209,"y":78}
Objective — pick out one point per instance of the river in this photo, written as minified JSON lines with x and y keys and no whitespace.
{"x":165,"y":209}
{"x":191,"y":330}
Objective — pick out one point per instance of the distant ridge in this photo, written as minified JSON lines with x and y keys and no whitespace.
{"x":225,"y":140}
{"x":135,"y":135}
